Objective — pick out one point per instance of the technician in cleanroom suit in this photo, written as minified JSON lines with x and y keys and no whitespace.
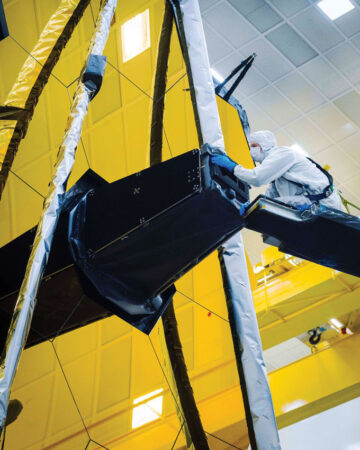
{"x":293,"y":179}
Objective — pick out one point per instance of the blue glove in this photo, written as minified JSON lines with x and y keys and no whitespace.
{"x":302,"y":207}
{"x":223,"y":161}
{"x":243,"y":208}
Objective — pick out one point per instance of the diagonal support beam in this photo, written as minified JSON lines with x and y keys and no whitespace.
{"x":26,"y":302}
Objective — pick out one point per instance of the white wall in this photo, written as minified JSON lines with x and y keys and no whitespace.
{"x":335,"y":429}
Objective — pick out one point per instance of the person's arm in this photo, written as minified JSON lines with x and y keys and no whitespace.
{"x":273,"y":167}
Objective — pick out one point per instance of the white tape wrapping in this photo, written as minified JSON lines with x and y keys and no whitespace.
{"x":202,"y":79}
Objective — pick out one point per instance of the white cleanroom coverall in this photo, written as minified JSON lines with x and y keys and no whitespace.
{"x":282,"y":168}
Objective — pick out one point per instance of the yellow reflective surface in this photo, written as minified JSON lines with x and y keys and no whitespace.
{"x":108,"y":364}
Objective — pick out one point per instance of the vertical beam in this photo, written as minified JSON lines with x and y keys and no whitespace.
{"x":26,"y":302}
{"x":157,"y":118}
{"x":192,"y":427}
{"x":260,"y":415}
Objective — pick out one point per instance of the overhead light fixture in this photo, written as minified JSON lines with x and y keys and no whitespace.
{"x":293,"y":405}
{"x":339,"y":327}
{"x":336,"y":323}
{"x":292,"y":260}
{"x":258,"y":269}
{"x":265,"y":278}
{"x":293,"y":263}
{"x":335,"y":8}
{"x":216,"y":75}
{"x":135,"y":35}
{"x":148,"y":411}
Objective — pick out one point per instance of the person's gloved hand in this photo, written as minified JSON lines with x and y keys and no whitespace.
{"x":223,"y":161}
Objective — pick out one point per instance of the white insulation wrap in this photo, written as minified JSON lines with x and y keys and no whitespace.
{"x":249,"y":341}
{"x":202,"y":79}
{"x":247,"y":331}
{"x":26,"y":301}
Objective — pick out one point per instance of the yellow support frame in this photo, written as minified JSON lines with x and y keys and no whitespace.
{"x":301,"y":299}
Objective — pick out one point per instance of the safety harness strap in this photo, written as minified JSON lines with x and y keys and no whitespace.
{"x":325,"y":193}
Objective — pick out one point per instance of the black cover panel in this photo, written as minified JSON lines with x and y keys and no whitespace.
{"x":175,"y":217}
{"x":130,"y":272}
{"x":329,"y":237}
{"x":122,"y":206}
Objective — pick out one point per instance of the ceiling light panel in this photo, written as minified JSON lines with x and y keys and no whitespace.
{"x":324,"y":77}
{"x":300,"y":92}
{"x":147,"y":412}
{"x":232,"y":26}
{"x":268,"y":61}
{"x":335,"y":8}
{"x":135,"y":35}
{"x":289,"y":8}
{"x":147,"y":396}
{"x":350,"y":105}
{"x":314,"y":26}
{"x":291,"y":44}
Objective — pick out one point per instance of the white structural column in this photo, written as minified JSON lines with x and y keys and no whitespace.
{"x":248,"y":349}
{"x":245,"y":330}
{"x":200,"y":70}
{"x":21,"y":321}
